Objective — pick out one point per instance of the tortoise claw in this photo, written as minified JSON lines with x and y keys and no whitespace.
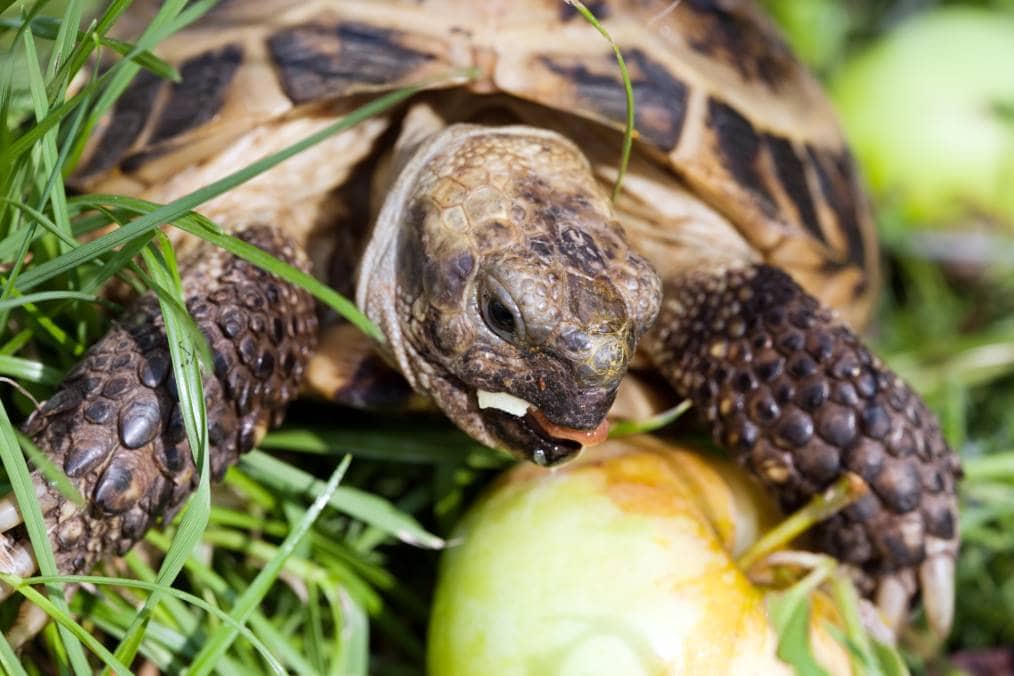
{"x":15,"y":559}
{"x":873,"y":622}
{"x":894,"y":593}
{"x":31,"y":619}
{"x":936,"y":578}
{"x":933,"y":581}
{"x":10,"y":515}
{"x":10,"y":512}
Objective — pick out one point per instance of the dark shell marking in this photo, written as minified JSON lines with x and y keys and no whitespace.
{"x":800,"y":400}
{"x":598,"y":8}
{"x":792,"y":175}
{"x":114,"y":425}
{"x":317,"y":60}
{"x":739,"y":147}
{"x":192,"y":102}
{"x":736,"y":38}
{"x":743,"y":152}
{"x":130,"y":116}
{"x":660,"y":99}
{"x":838,"y":182}
{"x":201,"y":92}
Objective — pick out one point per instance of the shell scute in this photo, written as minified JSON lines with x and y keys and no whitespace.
{"x":325,"y":58}
{"x":200,"y":93}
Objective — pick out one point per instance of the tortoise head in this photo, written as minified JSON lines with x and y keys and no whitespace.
{"x":506,"y":288}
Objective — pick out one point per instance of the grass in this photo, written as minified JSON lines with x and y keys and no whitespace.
{"x":329,"y":578}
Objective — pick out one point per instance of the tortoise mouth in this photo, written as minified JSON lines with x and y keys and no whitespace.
{"x":522,"y":435}
{"x":526,"y":431}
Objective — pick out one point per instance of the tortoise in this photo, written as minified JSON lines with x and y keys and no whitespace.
{"x":475,"y":227}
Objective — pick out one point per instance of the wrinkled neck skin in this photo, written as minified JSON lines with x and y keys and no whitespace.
{"x":505,"y":288}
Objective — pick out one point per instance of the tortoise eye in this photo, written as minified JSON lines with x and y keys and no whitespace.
{"x":499,"y":317}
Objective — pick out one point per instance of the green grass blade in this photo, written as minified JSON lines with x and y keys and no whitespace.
{"x":442,"y":445}
{"x":314,"y":630}
{"x":113,"y":11}
{"x":789,"y":611}
{"x":854,"y":638}
{"x":8,"y":660}
{"x":172,"y":611}
{"x":183,"y":351}
{"x":253,"y":594}
{"x":45,"y":296}
{"x":321,"y":291}
{"x":24,"y":490}
{"x":62,"y":617}
{"x":626,"y":428}
{"x":203,"y":228}
{"x":67,"y":34}
{"x":40,"y":105}
{"x":173,"y":211}
{"x":274,"y":639}
{"x":205,"y":576}
{"x":111,"y":83}
{"x":367,"y":507}
{"x":48,"y":27}
{"x":628,"y":89}
{"x":24,"y":587}
{"x":354,"y":658}
{"x":28,"y":369}
{"x":172,"y":16}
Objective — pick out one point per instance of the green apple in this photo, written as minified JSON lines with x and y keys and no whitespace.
{"x":620,"y":564}
{"x":929,"y":110}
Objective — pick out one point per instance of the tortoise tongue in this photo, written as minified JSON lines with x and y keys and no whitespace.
{"x":583,"y":437}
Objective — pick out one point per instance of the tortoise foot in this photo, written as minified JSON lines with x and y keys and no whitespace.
{"x":800,"y":401}
{"x":114,"y":426}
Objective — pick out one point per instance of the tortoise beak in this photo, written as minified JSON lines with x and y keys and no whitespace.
{"x":525,"y":431}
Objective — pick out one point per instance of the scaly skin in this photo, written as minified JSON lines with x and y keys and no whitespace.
{"x":114,"y":426}
{"x":799,"y":400}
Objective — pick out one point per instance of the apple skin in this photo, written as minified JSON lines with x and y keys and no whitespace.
{"x":619,"y":563}
{"x":929,"y":111}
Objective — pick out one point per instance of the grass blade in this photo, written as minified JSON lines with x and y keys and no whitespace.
{"x":366,"y":507}
{"x":171,"y":212}
{"x":253,"y":594}
{"x":47,"y":28}
{"x":24,"y":490}
{"x":8,"y":660}
{"x":24,"y":587}
{"x":27,"y":369}
{"x":62,"y":617}
{"x":628,"y":89}
{"x":44,"y":296}
{"x":183,"y":351}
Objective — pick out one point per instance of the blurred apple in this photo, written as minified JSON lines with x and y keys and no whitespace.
{"x":929,"y":110}
{"x":621,"y":563}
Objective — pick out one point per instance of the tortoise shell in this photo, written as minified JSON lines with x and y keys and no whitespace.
{"x":722,"y":105}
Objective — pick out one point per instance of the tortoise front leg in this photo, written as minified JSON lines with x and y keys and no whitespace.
{"x":114,"y":426}
{"x":799,"y":400}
